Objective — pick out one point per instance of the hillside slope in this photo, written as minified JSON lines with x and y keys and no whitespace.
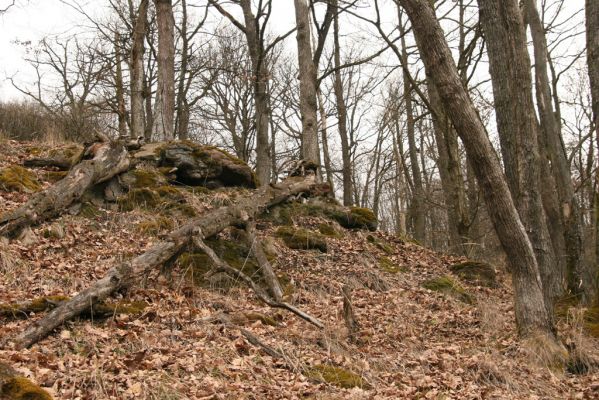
{"x":413,"y":341}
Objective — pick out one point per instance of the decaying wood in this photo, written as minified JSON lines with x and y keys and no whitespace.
{"x":109,"y":159}
{"x":260,"y":293}
{"x":127,"y":273}
{"x":348,"y":314}
{"x":267,"y":272}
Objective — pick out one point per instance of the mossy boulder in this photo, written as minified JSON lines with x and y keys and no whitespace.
{"x":142,"y":178}
{"x":198,"y":266}
{"x":477,"y":273}
{"x":18,"y":179}
{"x":209,"y":166}
{"x":167,"y":199}
{"x":70,"y":154}
{"x":329,"y":230}
{"x":448,"y":286}
{"x":387,"y":265}
{"x":154,"y":226}
{"x":15,"y":387}
{"x":349,"y":218}
{"x":336,"y":376}
{"x":302,"y":239}
{"x":358,"y":218}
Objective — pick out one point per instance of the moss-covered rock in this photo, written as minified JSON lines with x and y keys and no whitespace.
{"x":15,"y":387}
{"x":349,"y":218}
{"x":198,"y":265}
{"x":70,"y":154}
{"x":302,"y":239}
{"x":18,"y":179}
{"x":387,"y":265}
{"x":140,"y":178}
{"x":329,"y":230}
{"x":198,"y":165}
{"x":477,"y":273}
{"x":358,"y":218}
{"x":336,"y":376}
{"x":162,"y":199}
{"x":448,"y":286}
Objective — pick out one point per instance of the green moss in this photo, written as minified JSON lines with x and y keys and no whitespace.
{"x":477,"y":273}
{"x":139,"y":198}
{"x":163,"y":198}
{"x":144,"y":178}
{"x":381,"y":244}
{"x":236,"y":254}
{"x":121,"y":307}
{"x":336,"y":376}
{"x":329,"y":230}
{"x":352,"y":218}
{"x":54,"y":176}
{"x":89,"y":210}
{"x":20,"y":388}
{"x":37,"y":305}
{"x":155,"y":226}
{"x":18,"y":179}
{"x":446,"y":285}
{"x":302,"y":239}
{"x":71,"y":154}
{"x":389,"y":266}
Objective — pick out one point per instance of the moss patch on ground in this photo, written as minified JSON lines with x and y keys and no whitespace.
{"x":21,"y":388}
{"x":302,"y":239}
{"x":478,"y":273}
{"x":381,"y":244}
{"x":154,"y":226}
{"x":329,"y":231}
{"x":18,"y":179}
{"x":167,"y":199}
{"x":448,"y":286}
{"x":336,"y":376}
{"x":387,"y":265}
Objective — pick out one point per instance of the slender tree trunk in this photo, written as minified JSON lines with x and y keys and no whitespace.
{"x":165,"y":97}
{"x":417,"y":202}
{"x":326,"y":155}
{"x":570,"y":211}
{"x":342,"y":117}
{"x":120,"y":88}
{"x":182,"y":107}
{"x":518,"y":128}
{"x":137,"y":71}
{"x":592,"y":28}
{"x":260,"y":72}
{"x":307,"y":77}
{"x":532,"y":316}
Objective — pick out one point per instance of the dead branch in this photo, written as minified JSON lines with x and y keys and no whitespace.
{"x":260,"y":293}
{"x":267,"y":271}
{"x":128,"y":273}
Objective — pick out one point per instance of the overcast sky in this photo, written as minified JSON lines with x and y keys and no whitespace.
{"x":31,"y":20}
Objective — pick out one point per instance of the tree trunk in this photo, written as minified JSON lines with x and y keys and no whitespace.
{"x":532,"y":316}
{"x":137,"y":71}
{"x":326,"y":155}
{"x":592,"y":28}
{"x":342,"y":117}
{"x":182,"y":107}
{"x":128,"y":273}
{"x":518,"y":129}
{"x":570,"y":211}
{"x":109,"y":159}
{"x":165,"y":92}
{"x":307,"y":77}
{"x":120,"y":88}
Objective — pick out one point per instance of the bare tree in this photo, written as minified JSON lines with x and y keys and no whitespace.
{"x":165,"y":93}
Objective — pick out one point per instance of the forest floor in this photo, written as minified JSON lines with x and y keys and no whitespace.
{"x":413,"y":342}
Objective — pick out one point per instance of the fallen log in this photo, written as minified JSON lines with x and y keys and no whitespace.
{"x":267,"y":272}
{"x":109,"y":159}
{"x":128,"y":273}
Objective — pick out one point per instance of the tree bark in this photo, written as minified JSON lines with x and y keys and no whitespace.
{"x":518,"y":128}
{"x":109,"y":160}
{"x":592,"y":38}
{"x":128,"y":273}
{"x":120,"y":89}
{"x":342,"y":116}
{"x":307,"y":77}
{"x":532,"y":316}
{"x":570,"y":210}
{"x":137,"y":71}
{"x":165,"y":96}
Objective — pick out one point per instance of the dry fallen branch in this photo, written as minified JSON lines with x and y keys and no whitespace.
{"x":109,"y":159}
{"x":130,"y":272}
{"x":267,"y":272}
{"x":260,"y":293}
